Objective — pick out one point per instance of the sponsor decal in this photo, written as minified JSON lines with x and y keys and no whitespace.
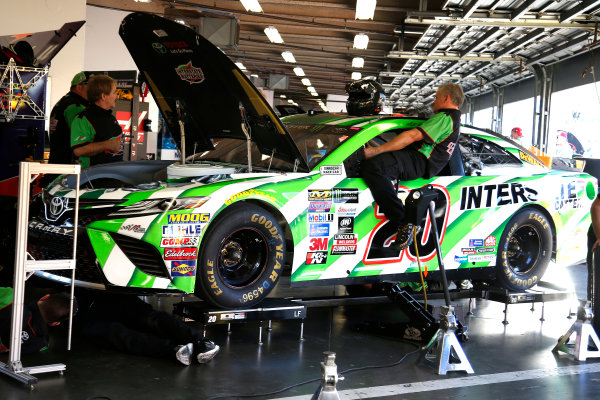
{"x":528,"y":158}
{"x":187,"y":72}
{"x":179,"y":241}
{"x":133,"y":228}
{"x":320,"y":217}
{"x":178,"y":47}
{"x":318,"y":244}
{"x":485,"y":196}
{"x":568,"y":197}
{"x":486,"y":250}
{"x":346,"y":211}
{"x":319,"y":206}
{"x":343,"y":249}
{"x":461,"y":259}
{"x":194,"y":218}
{"x":317,"y":257}
{"x":319,"y":230}
{"x":482,"y":257}
{"x":248,"y":193}
{"x":345,"y":224}
{"x":490,"y":241}
{"x":182,"y":253}
{"x":475,"y":242}
{"x":330,"y":170}
{"x":159,"y":48}
{"x":183,"y":268}
{"x":232,"y":316}
{"x":345,"y":239}
{"x":318,"y":195}
{"x":345,"y":195}
{"x":468,"y":250}
{"x":182,"y":230}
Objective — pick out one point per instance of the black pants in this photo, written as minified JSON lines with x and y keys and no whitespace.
{"x":127,"y":324}
{"x":379,"y":171}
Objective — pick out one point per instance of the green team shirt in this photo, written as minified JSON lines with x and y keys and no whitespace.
{"x":440,"y":134}
{"x":435,"y":130}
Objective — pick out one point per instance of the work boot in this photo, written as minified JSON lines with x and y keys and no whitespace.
{"x":405,"y":236}
{"x":206,"y":350}
{"x":184,"y":353}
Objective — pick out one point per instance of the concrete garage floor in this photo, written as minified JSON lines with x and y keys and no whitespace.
{"x":511,"y":361}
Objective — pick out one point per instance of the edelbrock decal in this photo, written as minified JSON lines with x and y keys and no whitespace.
{"x":486,"y":196}
{"x":181,"y":253}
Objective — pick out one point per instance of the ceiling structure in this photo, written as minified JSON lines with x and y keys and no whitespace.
{"x":414,"y":45}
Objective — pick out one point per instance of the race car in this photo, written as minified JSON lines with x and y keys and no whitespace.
{"x":260,"y":196}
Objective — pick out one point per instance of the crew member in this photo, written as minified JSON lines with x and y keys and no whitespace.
{"x":418,"y":152}
{"x":62,"y":116}
{"x":95,"y":132}
{"x":516,"y":134}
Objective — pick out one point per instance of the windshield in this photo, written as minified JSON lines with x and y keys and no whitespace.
{"x":314,"y":142}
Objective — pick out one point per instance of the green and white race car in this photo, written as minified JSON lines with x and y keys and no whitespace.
{"x":261,"y":196}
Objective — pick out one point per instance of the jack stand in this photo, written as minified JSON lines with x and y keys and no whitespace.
{"x":327,"y":389}
{"x":442,"y":344}
{"x":585,"y":331}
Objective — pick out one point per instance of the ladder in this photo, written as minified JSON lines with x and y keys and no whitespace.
{"x":24,"y":267}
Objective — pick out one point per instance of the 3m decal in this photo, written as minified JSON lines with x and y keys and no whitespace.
{"x":475,"y":197}
{"x":318,"y":244}
{"x":318,"y":230}
{"x":320,"y":217}
{"x":182,"y":253}
{"x":182,"y":230}
{"x":345,"y":224}
{"x":188,"y":218}
{"x":187,"y":72}
{"x":490,"y":241}
{"x":319,"y":195}
{"x":319,"y":206}
{"x":475,"y":242}
{"x":318,"y":257}
{"x":183,"y":268}
{"x":330,"y":170}
{"x":179,"y":241}
{"x":345,"y":195}
{"x":344,"y":210}
{"x":342,"y":249}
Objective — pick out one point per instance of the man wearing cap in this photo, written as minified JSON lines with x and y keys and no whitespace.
{"x":62,"y":116}
{"x":95,"y":132}
{"x":517,"y":135}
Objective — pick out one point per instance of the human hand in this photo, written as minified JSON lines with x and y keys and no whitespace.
{"x":596,"y":244}
{"x":370,"y":152}
{"x":115,"y":145}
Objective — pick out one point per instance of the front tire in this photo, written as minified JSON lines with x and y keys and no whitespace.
{"x":242,"y":258}
{"x":524,"y":250}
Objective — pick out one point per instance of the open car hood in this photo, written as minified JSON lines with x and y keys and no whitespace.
{"x":194,"y":82}
{"x":45,"y":45}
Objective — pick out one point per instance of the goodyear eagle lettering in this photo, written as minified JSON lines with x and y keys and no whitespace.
{"x":485,"y":196}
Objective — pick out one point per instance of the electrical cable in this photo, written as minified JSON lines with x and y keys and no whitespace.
{"x":347,"y":371}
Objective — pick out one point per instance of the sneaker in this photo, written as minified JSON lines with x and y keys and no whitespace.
{"x":207,"y":350}
{"x":464,"y":284}
{"x":184,"y":353}
{"x":405,"y":236}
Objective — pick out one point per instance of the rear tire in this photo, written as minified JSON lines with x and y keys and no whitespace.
{"x":242,"y":258}
{"x":524,"y":250}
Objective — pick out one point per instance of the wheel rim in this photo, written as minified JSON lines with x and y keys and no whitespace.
{"x":242,"y":257}
{"x":524,"y":249}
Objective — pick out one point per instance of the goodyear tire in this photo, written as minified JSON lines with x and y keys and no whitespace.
{"x":524,"y":250}
{"x":241,"y":259}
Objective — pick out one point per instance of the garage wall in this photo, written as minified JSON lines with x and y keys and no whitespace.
{"x":25,"y":16}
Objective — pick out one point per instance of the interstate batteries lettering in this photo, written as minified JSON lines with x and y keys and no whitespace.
{"x":474,"y":197}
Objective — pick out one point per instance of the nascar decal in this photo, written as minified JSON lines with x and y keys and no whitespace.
{"x":180,"y":241}
{"x":183,"y":268}
{"x":486,"y":196}
{"x":188,"y":218}
{"x":317,"y":257}
{"x":181,"y":253}
{"x":187,"y":72}
{"x":330,"y":170}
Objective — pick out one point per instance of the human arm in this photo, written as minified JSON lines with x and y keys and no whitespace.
{"x":91,"y":149}
{"x":595,"y":212}
{"x":82,"y":140}
{"x":401,"y":141}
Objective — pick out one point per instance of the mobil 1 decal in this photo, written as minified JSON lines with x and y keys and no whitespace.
{"x":384,"y":233}
{"x":493,"y":195}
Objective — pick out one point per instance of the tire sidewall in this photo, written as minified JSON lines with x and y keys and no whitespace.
{"x":506,"y":275}
{"x":213,"y":287}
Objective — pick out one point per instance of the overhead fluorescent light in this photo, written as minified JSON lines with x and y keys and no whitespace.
{"x":252,"y":5}
{"x":299,"y":71}
{"x":365,"y":9}
{"x":240,"y":66}
{"x":358,"y":62}
{"x":288,"y":56}
{"x":180,"y":21}
{"x":306,"y":82}
{"x":143,"y":1}
{"x":356,"y":76}
{"x":314,"y":93}
{"x":273,"y":34}
{"x":290,"y":101}
{"x":361,"y":41}
{"x":311,"y":89}
{"x":283,"y":96}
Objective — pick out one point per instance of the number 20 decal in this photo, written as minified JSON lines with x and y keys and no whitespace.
{"x":383,"y":234}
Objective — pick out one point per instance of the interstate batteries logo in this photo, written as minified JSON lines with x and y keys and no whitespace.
{"x":189,"y":73}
